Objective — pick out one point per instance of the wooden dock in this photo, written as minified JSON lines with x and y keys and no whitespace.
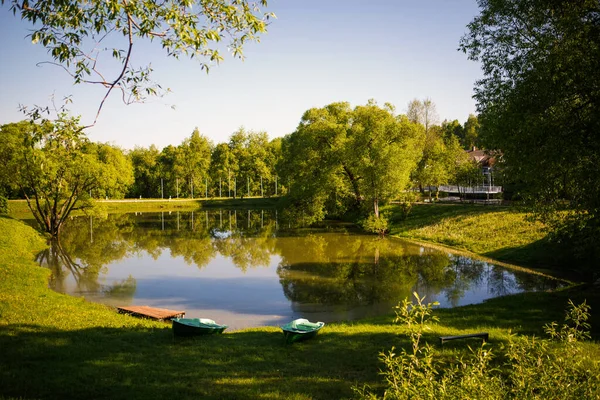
{"x":160,"y":314}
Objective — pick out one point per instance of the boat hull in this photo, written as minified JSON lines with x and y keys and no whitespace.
{"x":300,"y":330}
{"x":196,"y":327}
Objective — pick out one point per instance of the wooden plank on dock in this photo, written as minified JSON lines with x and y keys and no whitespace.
{"x":151,"y":312}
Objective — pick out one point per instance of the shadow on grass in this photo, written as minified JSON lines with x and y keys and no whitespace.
{"x":540,"y":254}
{"x":524,"y":313}
{"x":108,"y":363}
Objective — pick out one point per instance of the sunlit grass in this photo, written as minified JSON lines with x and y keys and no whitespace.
{"x":503,"y":233}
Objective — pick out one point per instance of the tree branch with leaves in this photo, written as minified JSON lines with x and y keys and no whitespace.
{"x":76,"y":33}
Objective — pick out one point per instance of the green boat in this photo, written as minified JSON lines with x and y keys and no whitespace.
{"x":300,"y":329}
{"x":196,"y":326}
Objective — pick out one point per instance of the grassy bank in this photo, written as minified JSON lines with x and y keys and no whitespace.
{"x":19,"y":209}
{"x":501,"y":233}
{"x":56,"y":346}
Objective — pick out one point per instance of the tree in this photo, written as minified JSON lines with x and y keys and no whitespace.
{"x":167,"y":161}
{"x":55,"y":167}
{"x":274,"y":156}
{"x":146,"y":171}
{"x":438,"y":165}
{"x":442,"y":156}
{"x":117,"y":175}
{"x":453,"y":128}
{"x":223,"y":162}
{"x":338,"y":157}
{"x":539,"y":105}
{"x":471,"y":132}
{"x":76,"y":32}
{"x":255,"y":163}
{"x":11,"y":143}
{"x":312,"y":164}
{"x":422,"y":112}
{"x":193,"y":161}
{"x":382,"y":151}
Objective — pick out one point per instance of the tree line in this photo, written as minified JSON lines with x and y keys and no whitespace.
{"x":338,"y":159}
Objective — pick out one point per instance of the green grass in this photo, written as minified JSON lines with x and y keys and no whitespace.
{"x":502,"y":233}
{"x":19,"y":209}
{"x":56,"y":346}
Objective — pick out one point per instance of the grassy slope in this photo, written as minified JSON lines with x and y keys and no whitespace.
{"x":502,"y":233}
{"x":56,"y":346}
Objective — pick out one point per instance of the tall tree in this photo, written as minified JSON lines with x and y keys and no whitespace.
{"x":251,"y":150}
{"x":339,"y":157}
{"x":453,"y":128}
{"x":471,"y":132}
{"x":223,"y":163}
{"x":382,"y":151}
{"x":167,"y":161}
{"x":312,"y":166}
{"x":146,"y":171}
{"x":193,"y":161}
{"x":422,"y":112}
{"x":76,"y":32}
{"x":117,"y":175}
{"x":539,"y":104}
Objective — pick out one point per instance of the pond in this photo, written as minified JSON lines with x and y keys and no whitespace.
{"x":248,"y":268}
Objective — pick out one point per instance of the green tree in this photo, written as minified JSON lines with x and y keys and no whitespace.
{"x":77,"y":32}
{"x":538,"y":104}
{"x":117,"y":175}
{"x":338,"y":157}
{"x":146,"y":171}
{"x":167,"y":161}
{"x":192,"y":163}
{"x":471,"y":132}
{"x":11,"y":142}
{"x":274,"y":157}
{"x":55,"y":168}
{"x":439,"y":164}
{"x":255,"y":162}
{"x":468,"y":173}
{"x":313,"y":165}
{"x":223,"y":163}
{"x":453,"y":128}
{"x":382,"y":152}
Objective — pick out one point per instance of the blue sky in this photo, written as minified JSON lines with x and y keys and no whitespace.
{"x":316,"y":52}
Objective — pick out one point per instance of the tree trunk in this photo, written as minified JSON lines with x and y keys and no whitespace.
{"x":376,"y":207}
{"x":354,"y":182}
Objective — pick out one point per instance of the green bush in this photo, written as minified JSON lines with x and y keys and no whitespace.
{"x":3,"y":205}
{"x":374,"y":224}
{"x":532,"y":368}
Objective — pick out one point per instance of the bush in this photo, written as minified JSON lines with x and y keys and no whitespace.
{"x":556,"y":368}
{"x":3,"y":205}
{"x":405,"y":203}
{"x":374,"y":224}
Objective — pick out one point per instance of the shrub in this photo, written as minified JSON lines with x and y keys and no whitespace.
{"x":533,"y":369}
{"x":376,"y":224}
{"x":3,"y":205}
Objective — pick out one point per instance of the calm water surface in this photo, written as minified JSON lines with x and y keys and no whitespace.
{"x":247,"y":268}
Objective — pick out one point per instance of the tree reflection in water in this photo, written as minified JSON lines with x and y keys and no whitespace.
{"x":85,"y":274}
{"x":329,"y":267}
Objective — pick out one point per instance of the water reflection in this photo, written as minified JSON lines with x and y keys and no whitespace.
{"x":237,"y":267}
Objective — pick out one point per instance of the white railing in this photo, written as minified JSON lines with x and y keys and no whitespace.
{"x":470,"y":189}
